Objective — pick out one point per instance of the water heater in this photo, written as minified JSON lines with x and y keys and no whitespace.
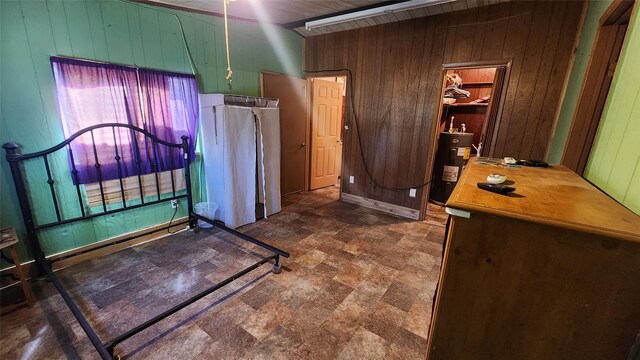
{"x":452,"y":155}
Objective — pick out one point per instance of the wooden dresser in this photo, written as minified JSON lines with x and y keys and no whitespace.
{"x":549,"y":272}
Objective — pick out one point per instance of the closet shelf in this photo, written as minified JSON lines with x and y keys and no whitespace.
{"x":466,"y":104}
{"x":478,"y":83}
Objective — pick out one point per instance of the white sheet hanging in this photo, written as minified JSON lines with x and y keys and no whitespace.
{"x":268,"y":146}
{"x":237,"y":141}
{"x":240,"y":166}
{"x":230,"y":162}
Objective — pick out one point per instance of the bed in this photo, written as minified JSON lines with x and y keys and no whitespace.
{"x":35,"y":225}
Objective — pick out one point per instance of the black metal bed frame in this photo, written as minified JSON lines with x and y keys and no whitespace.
{"x":15,"y":159}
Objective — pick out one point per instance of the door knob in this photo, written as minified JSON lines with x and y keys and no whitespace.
{"x":303,"y":145}
{"x":340,"y":142}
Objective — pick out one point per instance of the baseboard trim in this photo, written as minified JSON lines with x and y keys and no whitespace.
{"x":158,"y":231}
{"x":382,"y":206}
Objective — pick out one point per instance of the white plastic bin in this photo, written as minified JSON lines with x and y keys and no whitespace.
{"x":206,"y":209}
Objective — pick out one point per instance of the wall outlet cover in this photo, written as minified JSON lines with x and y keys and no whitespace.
{"x":412,"y":193}
{"x":174,"y":204}
{"x":352,"y":179}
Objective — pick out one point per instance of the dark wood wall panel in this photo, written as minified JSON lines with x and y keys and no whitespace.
{"x":397,"y":70}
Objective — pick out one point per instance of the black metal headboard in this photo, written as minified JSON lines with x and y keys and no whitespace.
{"x":16,"y":159}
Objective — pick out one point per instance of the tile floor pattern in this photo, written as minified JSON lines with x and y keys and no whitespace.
{"x":358,"y":285}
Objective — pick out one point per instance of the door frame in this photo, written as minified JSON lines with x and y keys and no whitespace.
{"x":309,"y":119}
{"x":587,"y":114}
{"x":436,"y":123}
{"x":307,"y":124}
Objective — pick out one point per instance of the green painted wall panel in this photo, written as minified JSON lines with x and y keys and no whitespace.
{"x":578,"y":70}
{"x":219,"y":59}
{"x":632,"y":199}
{"x":79,"y":29}
{"x":190,"y":35}
{"x":198,"y":38}
{"x":98,"y":35}
{"x":151,"y":42}
{"x":614,"y":162}
{"x":135,"y":35}
{"x":58,"y":23}
{"x":117,"y":31}
{"x":172,"y":44}
{"x":116,"y":28}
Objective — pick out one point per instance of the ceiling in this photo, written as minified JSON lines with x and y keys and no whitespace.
{"x":293,"y":14}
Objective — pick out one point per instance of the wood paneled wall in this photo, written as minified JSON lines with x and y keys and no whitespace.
{"x":397,"y":70}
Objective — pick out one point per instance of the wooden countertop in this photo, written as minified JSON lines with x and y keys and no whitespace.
{"x":555,"y":196}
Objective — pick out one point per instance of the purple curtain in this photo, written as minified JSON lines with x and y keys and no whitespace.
{"x":92,"y":93}
{"x":171,"y":110}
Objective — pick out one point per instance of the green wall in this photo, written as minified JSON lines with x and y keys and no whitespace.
{"x":114,"y":31}
{"x":614,"y":163}
{"x":578,"y":70}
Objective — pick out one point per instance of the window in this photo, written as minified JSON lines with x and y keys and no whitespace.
{"x":113,"y":195}
{"x":163,"y":103}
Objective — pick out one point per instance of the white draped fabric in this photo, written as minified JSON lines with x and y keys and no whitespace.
{"x":241,"y":155}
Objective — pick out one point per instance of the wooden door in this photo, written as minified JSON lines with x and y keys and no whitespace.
{"x":595,"y":87}
{"x":293,"y":128}
{"x":489,"y":132}
{"x":326,"y":143}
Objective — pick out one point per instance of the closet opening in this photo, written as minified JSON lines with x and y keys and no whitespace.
{"x":468,"y":118}
{"x":326,"y":116}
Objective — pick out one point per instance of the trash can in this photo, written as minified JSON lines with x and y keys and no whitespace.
{"x":206,"y":209}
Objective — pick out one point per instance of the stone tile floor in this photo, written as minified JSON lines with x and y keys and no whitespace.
{"x":358,"y":285}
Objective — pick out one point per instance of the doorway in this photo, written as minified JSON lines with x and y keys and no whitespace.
{"x":311,"y":129}
{"x":292,"y":93}
{"x":468,"y":116}
{"x":595,"y":87}
{"x":327,"y":124}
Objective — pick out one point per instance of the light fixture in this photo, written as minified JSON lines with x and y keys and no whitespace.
{"x":378,"y":11}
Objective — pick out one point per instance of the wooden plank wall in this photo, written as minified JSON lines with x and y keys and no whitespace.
{"x":397,"y":71}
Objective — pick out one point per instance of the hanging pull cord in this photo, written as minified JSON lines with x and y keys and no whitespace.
{"x":226,"y":38}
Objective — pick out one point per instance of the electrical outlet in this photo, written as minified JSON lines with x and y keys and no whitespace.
{"x":352,"y":179}
{"x":174,"y":204}
{"x":412,"y":192}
